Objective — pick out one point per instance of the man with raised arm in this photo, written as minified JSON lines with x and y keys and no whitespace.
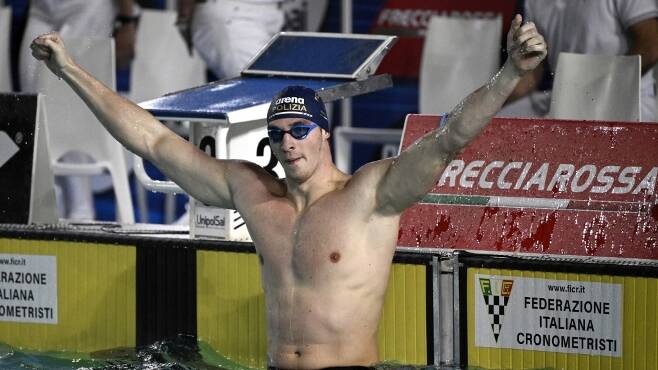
{"x":325,"y":239}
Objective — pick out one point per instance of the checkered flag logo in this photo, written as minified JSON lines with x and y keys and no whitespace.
{"x":496,"y":293}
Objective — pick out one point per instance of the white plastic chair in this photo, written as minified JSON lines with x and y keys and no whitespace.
{"x":72,"y":127}
{"x":5,"y":72}
{"x":459,"y":55}
{"x":596,"y":87}
{"x":162,"y":63}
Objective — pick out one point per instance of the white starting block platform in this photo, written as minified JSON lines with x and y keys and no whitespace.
{"x":228,"y":117}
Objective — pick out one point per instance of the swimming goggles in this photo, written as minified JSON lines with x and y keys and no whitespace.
{"x":298,"y":132}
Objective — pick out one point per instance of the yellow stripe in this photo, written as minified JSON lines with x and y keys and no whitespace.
{"x":231,"y":306}
{"x":639,"y":338}
{"x":231,"y":310}
{"x":402,"y":333}
{"x":95,"y":297}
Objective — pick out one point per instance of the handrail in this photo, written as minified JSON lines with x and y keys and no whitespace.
{"x":153,"y":185}
{"x":344,"y":136}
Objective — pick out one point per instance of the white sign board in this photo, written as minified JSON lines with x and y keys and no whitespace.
{"x":28,"y":288}
{"x":548,"y":315}
{"x":209,"y":221}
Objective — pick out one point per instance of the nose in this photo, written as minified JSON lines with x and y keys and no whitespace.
{"x":288,"y":142}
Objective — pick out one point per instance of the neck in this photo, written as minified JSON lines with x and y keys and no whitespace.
{"x":326,"y":178}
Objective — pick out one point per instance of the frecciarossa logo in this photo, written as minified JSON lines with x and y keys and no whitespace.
{"x":549,"y":177}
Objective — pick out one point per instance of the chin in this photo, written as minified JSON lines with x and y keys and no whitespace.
{"x":296,"y":175}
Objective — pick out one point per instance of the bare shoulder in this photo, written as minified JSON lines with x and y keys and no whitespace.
{"x":371,"y":173}
{"x":364,"y":182}
{"x":250,"y":182}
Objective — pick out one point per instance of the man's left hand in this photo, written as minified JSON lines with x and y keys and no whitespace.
{"x":525,"y":46}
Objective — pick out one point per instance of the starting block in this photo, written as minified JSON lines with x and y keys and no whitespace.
{"x":228,"y":118}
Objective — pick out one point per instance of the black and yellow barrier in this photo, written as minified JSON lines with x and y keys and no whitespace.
{"x":86,"y":291}
{"x":94,"y":287}
{"x":116,"y":290}
{"x":231,"y":309}
{"x":539,"y":313}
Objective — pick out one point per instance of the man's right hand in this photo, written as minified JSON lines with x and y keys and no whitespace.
{"x":50,"y":48}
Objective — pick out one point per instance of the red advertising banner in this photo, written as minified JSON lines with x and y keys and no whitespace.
{"x":408,"y":19}
{"x":561,"y":187}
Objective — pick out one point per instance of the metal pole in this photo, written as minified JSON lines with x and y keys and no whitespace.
{"x":346,"y":27}
{"x":436,"y":312}
{"x":457,"y":330}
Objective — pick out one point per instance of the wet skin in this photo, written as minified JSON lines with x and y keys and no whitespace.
{"x":325,"y":239}
{"x":325,"y":258}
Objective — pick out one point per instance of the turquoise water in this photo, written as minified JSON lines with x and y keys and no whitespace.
{"x":180,"y":353}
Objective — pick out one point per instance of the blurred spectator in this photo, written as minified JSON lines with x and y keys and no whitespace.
{"x":605,"y":27}
{"x":228,"y":33}
{"x":78,"y":19}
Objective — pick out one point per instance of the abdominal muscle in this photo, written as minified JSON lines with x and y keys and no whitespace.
{"x":309,"y":327}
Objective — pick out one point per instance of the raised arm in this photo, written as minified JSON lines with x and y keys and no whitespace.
{"x":203,"y":177}
{"x":413,"y":173}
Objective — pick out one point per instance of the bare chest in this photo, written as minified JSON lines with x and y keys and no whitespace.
{"x":325,"y":242}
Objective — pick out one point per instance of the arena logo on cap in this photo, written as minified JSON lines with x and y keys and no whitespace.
{"x":290,"y":104}
{"x":290,"y":99}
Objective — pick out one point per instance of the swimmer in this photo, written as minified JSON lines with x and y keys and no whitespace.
{"x":325,"y":240}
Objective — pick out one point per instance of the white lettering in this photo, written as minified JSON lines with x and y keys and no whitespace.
{"x":591,"y":171}
{"x":419,"y":18}
{"x":648,"y":182}
{"x":538,"y":179}
{"x":383,"y":16}
{"x":470,"y":172}
{"x":524,"y":173}
{"x":566,"y":177}
{"x":604,"y":179}
{"x":451,"y":171}
{"x":627,"y":176}
{"x":561,"y":177}
{"x":484,"y":183}
{"x":290,"y":99}
{"x":502,"y":184}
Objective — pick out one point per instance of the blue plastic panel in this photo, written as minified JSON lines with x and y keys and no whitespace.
{"x":317,"y":55}
{"x":215,"y":100}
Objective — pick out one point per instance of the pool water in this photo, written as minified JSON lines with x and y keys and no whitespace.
{"x":180,"y":353}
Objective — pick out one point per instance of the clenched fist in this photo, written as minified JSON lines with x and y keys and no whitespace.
{"x":50,"y":48}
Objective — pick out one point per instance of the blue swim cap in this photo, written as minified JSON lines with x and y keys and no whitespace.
{"x":298,"y":102}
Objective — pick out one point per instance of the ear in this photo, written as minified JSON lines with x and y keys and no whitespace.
{"x":326,"y":134}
